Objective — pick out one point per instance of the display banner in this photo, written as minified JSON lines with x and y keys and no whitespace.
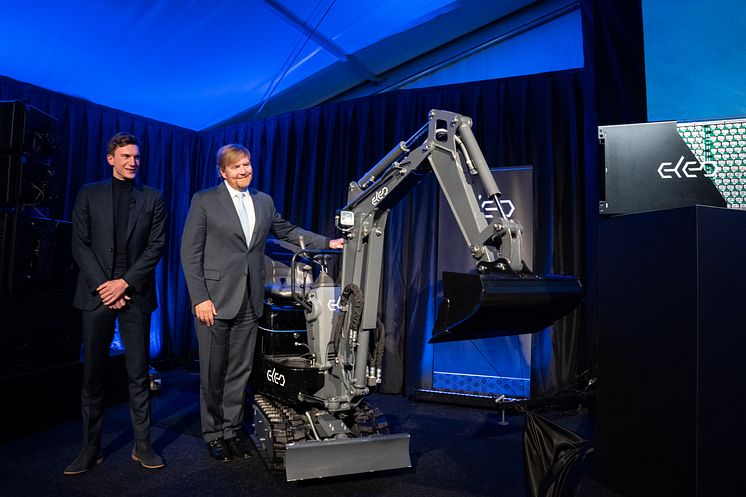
{"x":493,"y":366}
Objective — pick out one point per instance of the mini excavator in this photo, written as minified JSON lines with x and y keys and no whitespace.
{"x":320,"y":347}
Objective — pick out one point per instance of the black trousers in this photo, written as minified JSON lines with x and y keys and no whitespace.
{"x":226,"y":355}
{"x":98,"y":332}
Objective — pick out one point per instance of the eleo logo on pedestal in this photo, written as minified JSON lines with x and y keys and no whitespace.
{"x":686,"y":170}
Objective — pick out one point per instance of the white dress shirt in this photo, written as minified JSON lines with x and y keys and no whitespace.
{"x":248,"y":204}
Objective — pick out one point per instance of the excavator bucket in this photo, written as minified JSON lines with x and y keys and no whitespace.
{"x":490,"y":305}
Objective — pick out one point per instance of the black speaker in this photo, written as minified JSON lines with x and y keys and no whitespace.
{"x":36,"y":255}
{"x":26,"y":181}
{"x":40,"y":328}
{"x":26,"y":130}
{"x":27,"y":148}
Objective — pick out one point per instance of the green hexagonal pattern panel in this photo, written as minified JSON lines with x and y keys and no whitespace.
{"x":721,"y":147}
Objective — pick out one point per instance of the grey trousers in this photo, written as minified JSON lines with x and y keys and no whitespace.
{"x":226,"y":355}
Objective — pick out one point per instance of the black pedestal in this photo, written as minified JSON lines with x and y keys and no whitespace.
{"x":672,"y":336}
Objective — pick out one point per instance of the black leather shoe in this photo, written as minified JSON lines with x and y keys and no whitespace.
{"x":143,"y":453}
{"x":88,"y":458}
{"x":240,"y":447}
{"x":219,"y":450}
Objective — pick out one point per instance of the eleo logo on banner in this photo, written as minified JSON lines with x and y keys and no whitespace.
{"x":685,"y":170}
{"x":489,"y":206}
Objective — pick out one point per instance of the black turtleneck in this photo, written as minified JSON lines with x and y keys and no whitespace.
{"x":123,"y":198}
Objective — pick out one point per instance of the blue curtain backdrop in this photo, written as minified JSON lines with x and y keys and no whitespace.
{"x":615,"y":93}
{"x":167,"y":159}
{"x":306,"y":159}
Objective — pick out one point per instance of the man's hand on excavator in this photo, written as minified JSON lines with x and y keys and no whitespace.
{"x":337,"y":243}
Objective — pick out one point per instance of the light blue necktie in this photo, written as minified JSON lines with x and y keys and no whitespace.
{"x":243,"y":216}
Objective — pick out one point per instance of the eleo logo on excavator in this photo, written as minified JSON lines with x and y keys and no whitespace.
{"x":275,"y":377}
{"x":379,"y":195}
{"x":333,"y":305}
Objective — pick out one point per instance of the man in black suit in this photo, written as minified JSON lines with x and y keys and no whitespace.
{"x":118,"y":234}
{"x":222,"y":253}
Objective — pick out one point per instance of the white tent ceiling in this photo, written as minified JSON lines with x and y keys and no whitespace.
{"x":196,"y":63}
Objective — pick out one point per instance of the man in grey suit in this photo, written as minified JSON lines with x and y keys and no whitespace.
{"x":222,"y":254}
{"x":117,"y":240}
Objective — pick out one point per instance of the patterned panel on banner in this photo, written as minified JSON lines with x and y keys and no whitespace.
{"x":494,"y":366}
{"x":721,"y":148}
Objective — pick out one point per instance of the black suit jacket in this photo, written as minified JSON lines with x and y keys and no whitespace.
{"x":93,"y":243}
{"x":214,"y":255}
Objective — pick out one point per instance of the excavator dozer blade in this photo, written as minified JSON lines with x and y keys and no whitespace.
{"x":346,"y":456}
{"x":491,"y":305}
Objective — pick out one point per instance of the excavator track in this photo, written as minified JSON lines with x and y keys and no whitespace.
{"x":369,"y":420}
{"x":276,"y":426}
{"x":286,"y":443}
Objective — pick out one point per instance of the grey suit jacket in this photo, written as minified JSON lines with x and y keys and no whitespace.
{"x":93,"y":243}
{"x":216,"y":261}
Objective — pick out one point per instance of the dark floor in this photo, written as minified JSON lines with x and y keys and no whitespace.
{"x":455,"y":451}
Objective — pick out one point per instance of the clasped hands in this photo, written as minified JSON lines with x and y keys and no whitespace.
{"x":112,"y":293}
